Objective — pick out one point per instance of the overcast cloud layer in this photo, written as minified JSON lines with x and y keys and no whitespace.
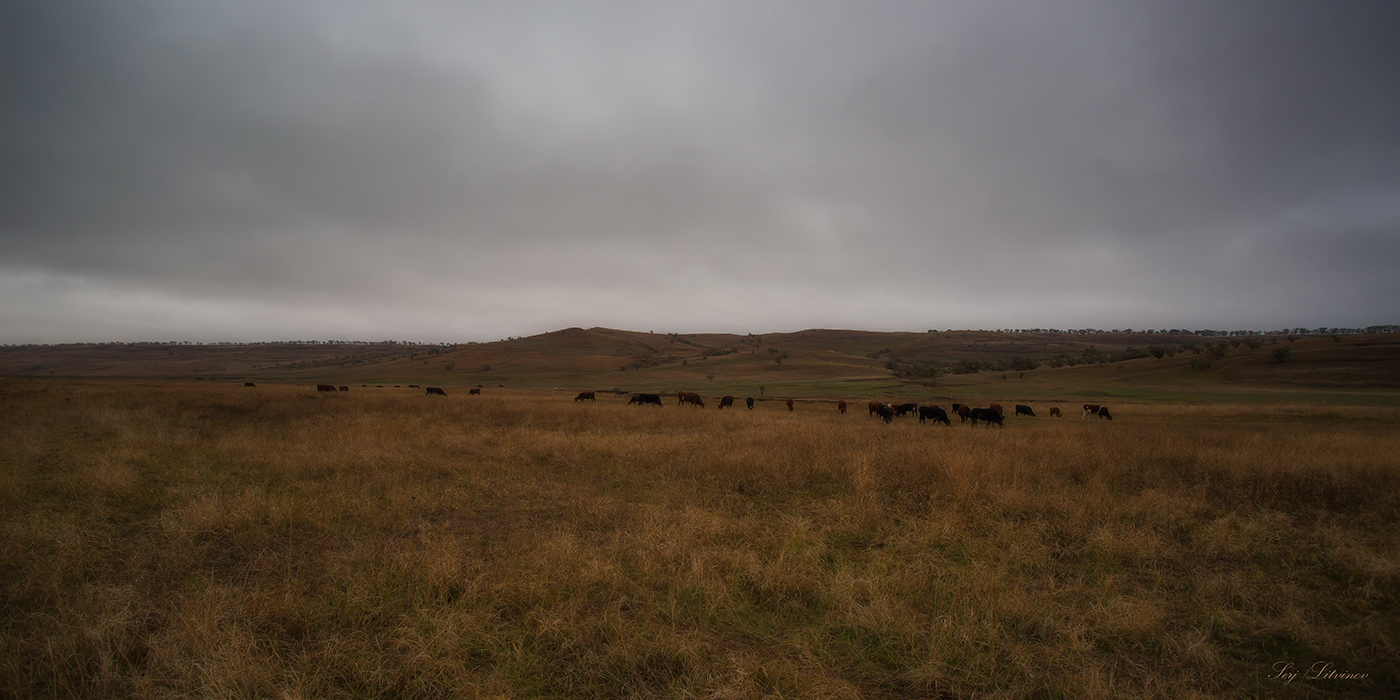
{"x":261,"y":170}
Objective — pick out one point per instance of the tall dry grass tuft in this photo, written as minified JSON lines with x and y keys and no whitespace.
{"x":175,"y":540}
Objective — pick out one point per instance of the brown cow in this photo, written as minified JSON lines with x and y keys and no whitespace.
{"x":586,"y":396}
{"x":473,"y":392}
{"x":344,"y":388}
{"x":325,"y":387}
{"x":875,"y":407}
{"x":958,"y":409}
{"x":789,"y":403}
{"x":690,"y":397}
{"x":841,"y":406}
{"x":997,"y":407}
{"x":249,"y":384}
{"x":1054,"y":411}
{"x":726,"y":400}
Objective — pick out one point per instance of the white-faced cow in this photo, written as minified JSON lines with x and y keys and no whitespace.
{"x":749,"y":402}
{"x":690,"y":397}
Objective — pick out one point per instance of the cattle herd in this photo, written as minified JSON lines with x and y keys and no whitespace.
{"x":991,"y":415}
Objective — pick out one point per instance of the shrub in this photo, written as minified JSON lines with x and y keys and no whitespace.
{"x":1281,"y":353}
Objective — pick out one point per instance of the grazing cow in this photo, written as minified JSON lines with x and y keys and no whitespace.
{"x":473,"y":392}
{"x":841,"y":406}
{"x":344,"y":388}
{"x":904,"y":408}
{"x":689,"y":397}
{"x":964,"y":413}
{"x":1090,"y":409}
{"x":325,"y":387}
{"x":1103,"y":413}
{"x":726,"y":400}
{"x":1024,"y":410}
{"x":997,"y":407}
{"x":644,"y":399}
{"x":436,"y":391}
{"x":249,"y":384}
{"x":586,"y":396}
{"x":749,"y":402}
{"x":789,"y":403}
{"x":989,"y":415}
{"x":414,"y":386}
{"x":875,"y":407}
{"x":1054,"y":411}
{"x":934,"y":413}
{"x":885,"y":412}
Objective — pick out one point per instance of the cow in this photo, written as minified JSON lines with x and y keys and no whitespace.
{"x":726,"y":400}
{"x":841,"y":406}
{"x":874,"y":407}
{"x":989,"y":415}
{"x":325,"y":387}
{"x":644,"y":399}
{"x":997,"y":407}
{"x":904,"y":408}
{"x":789,"y":404}
{"x":473,"y":392}
{"x":749,"y":402}
{"x":1090,"y":409}
{"x":884,"y":411}
{"x":1054,"y":411}
{"x":936,"y":414}
{"x":414,"y":386}
{"x":958,"y":409}
{"x":1024,"y":410}
{"x":344,"y":388}
{"x":1103,"y":413}
{"x":435,"y":391}
{"x":586,"y":396}
{"x":249,"y":384}
{"x":689,"y":397}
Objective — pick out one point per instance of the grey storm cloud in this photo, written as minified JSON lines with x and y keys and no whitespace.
{"x":458,"y":171}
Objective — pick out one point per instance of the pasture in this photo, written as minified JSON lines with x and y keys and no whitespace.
{"x":176,"y":539}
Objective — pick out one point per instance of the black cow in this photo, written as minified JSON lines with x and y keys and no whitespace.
{"x":989,"y":415}
{"x":249,"y":384}
{"x":643,"y":399}
{"x":885,"y":412}
{"x":749,"y":402}
{"x":841,"y":406}
{"x":436,"y":391}
{"x":1024,"y":410}
{"x":935,"y":413}
{"x":325,"y":387}
{"x":904,"y":408}
{"x":344,"y":388}
{"x":727,"y":400}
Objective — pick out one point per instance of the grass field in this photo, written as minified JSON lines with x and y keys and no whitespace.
{"x":179,"y":539}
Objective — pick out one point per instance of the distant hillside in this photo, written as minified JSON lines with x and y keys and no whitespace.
{"x":810,"y":362}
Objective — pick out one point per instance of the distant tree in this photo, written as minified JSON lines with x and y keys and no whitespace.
{"x":1254,"y":343}
{"x":1281,"y":353}
{"x":1201,"y":363}
{"x":486,"y":368}
{"x":1157,"y":351}
{"x":709,"y":377}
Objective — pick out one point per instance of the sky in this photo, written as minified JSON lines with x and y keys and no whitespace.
{"x":467,"y":171}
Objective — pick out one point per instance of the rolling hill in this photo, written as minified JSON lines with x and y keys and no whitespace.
{"x":810,"y":363}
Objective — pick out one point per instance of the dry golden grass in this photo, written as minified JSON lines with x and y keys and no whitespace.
{"x":178,"y":539}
